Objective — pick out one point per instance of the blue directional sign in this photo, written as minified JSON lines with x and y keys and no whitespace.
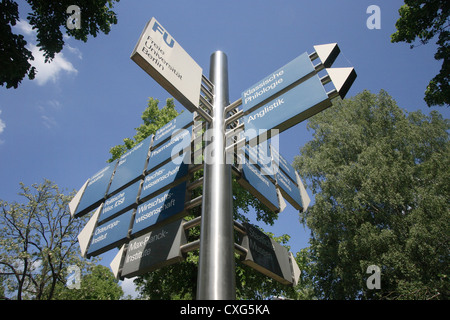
{"x":283,"y":164}
{"x":95,"y":190}
{"x":277,"y":81}
{"x":164,"y":176}
{"x":131,"y":165}
{"x":162,"y":207}
{"x":260,"y":155}
{"x":120,"y":201}
{"x":181,"y":141}
{"x":110,"y":234}
{"x":260,"y":186}
{"x":290,"y":108}
{"x":181,"y":121}
{"x":289,"y":190}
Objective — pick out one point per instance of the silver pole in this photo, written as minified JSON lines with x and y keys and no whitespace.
{"x":216,"y":269}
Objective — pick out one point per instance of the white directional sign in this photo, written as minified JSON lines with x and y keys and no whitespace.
{"x":169,"y":64}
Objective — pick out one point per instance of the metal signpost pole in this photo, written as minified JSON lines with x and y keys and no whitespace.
{"x":216,"y":271}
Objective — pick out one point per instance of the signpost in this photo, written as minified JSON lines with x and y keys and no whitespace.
{"x":168,"y":63}
{"x":140,"y":199}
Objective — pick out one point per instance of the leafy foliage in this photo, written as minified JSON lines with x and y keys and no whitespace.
{"x":424,"y":20}
{"x":98,"y":283}
{"x":39,"y":241}
{"x":380,"y":179}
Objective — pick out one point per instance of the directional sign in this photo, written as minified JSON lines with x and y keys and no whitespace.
{"x":289,"y":182}
{"x":131,"y":165}
{"x":84,"y":237}
{"x":289,"y":190}
{"x":162,"y":207}
{"x":277,"y":81}
{"x":266,"y":255}
{"x":260,"y":155}
{"x":290,"y":108}
{"x":110,"y":234}
{"x":294,"y":93}
{"x":327,"y":53}
{"x":165,"y":176}
{"x":120,"y":201}
{"x":260,"y":186}
{"x":282,"y":163}
{"x":179,"y":142}
{"x":168,"y":63}
{"x":181,"y":121}
{"x":95,"y":190}
{"x":154,"y":250}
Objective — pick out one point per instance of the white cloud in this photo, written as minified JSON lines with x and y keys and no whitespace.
{"x":25,"y":27}
{"x":47,"y":72}
{"x":75,"y":51}
{"x":50,"y":71}
{"x":129,"y":288}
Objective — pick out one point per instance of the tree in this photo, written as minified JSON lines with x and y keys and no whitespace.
{"x":380,"y":179}
{"x":47,"y":18}
{"x":179,"y":281}
{"x":38,"y":242}
{"x":98,"y":283}
{"x":424,"y":20}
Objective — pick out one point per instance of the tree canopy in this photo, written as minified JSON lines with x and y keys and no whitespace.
{"x":97,"y":283}
{"x":424,"y":21}
{"x":48,"y":18}
{"x":38,"y":245}
{"x":380,"y":178}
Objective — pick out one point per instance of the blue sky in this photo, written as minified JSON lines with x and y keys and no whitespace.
{"x":61,"y":125}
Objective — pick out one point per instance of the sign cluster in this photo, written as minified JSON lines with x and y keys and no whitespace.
{"x":271,"y":178}
{"x":139,"y":201}
{"x":134,"y":194}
